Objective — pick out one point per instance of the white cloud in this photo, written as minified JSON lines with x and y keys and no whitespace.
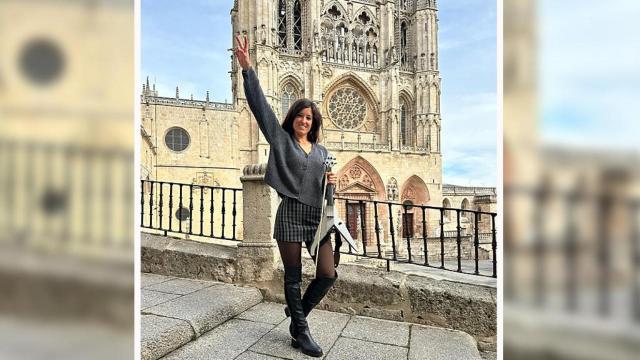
{"x":589,"y":62}
{"x":469,"y":138}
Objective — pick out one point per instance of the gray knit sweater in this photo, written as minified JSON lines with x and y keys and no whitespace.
{"x":290,"y":171}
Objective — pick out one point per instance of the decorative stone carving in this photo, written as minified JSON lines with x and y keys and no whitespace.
{"x":392,"y":190}
{"x":343,"y":182}
{"x":327,"y":72}
{"x":355,"y":172}
{"x":410,"y":193}
{"x":367,"y":181}
{"x":254,"y":172}
{"x":373,"y":79}
{"x":347,"y":108}
{"x":262,"y":35}
{"x":290,"y":66}
{"x":205,"y":179}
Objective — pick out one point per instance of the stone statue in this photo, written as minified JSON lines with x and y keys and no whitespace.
{"x":263,"y":35}
{"x":394,"y":55}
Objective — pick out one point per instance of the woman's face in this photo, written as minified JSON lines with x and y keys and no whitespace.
{"x":302,"y":122}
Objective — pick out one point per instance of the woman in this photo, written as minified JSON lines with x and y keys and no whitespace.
{"x":296,"y":171}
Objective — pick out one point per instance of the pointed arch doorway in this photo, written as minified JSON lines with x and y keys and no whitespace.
{"x":358,"y":180}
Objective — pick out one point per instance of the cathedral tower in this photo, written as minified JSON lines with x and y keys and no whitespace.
{"x":378,"y":58}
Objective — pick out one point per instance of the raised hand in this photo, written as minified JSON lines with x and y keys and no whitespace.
{"x":242,"y":52}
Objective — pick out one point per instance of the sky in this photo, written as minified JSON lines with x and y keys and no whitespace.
{"x":184,"y":43}
{"x":589,"y":57}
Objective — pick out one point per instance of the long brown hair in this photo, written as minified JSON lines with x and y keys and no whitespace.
{"x":294,"y":110}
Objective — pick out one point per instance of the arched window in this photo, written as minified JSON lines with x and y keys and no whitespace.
{"x":403,"y":43}
{"x":282,"y":23}
{"x":364,"y":18}
{"x":341,"y":29}
{"x":403,"y":124}
{"x":374,"y":55}
{"x":465,"y":206}
{"x":347,"y":108}
{"x":289,"y":96}
{"x":297,"y":26}
{"x":334,"y":12}
{"x":446,"y":204}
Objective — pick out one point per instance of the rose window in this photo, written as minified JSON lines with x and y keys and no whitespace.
{"x":347,"y":108}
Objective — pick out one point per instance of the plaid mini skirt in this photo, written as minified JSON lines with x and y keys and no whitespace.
{"x":295,"y":221}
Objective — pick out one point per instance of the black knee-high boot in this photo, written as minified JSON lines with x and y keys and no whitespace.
{"x":316,"y":291}
{"x":302,"y":338}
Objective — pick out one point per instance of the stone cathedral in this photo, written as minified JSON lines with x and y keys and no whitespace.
{"x":371,"y":67}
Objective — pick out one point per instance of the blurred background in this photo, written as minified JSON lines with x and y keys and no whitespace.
{"x":66,"y":179}
{"x":571,"y":180}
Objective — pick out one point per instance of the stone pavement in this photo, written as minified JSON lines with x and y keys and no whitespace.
{"x":195,"y":319}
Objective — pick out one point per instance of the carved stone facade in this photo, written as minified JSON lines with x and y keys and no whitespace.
{"x":469,"y":198}
{"x":372,"y":68}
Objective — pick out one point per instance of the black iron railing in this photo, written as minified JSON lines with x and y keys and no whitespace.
{"x":200,"y":210}
{"x":417,"y":234}
{"x":575,"y":250}
{"x":62,"y":198}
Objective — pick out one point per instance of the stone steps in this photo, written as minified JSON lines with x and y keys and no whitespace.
{"x":262,"y":333}
{"x":176,"y":311}
{"x":194,"y":319}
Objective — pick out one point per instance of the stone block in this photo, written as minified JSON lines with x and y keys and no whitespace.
{"x":161,"y":335}
{"x":188,"y":259}
{"x":380,"y":331}
{"x":152,"y":298}
{"x":489,"y":355}
{"x":250,"y":355}
{"x":325,"y":328}
{"x":353,"y":349}
{"x":224,"y":342}
{"x":267,"y":312}
{"x":147,"y":279}
{"x":209,"y":307}
{"x":430,"y":343}
{"x":388,"y":314}
{"x":365,"y":286}
{"x":464,"y":307}
{"x":181,"y":286}
{"x":256,"y":262}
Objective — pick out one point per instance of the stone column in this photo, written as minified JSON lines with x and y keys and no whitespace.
{"x":258,"y":253}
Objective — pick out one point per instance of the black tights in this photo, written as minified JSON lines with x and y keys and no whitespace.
{"x":290,"y":252}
